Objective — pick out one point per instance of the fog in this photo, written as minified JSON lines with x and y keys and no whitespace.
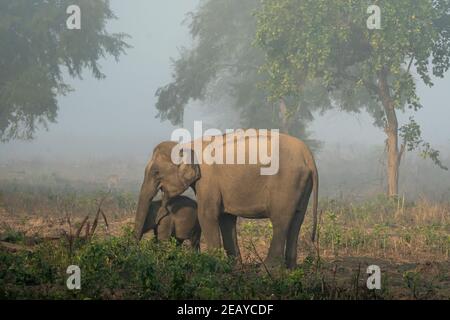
{"x":114,"y":119}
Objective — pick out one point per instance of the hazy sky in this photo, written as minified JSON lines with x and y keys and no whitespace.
{"x":116,"y":116}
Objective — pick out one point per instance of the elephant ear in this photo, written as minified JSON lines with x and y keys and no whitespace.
{"x":188,"y":170}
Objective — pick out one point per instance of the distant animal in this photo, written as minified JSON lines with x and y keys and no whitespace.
{"x":176,"y":218}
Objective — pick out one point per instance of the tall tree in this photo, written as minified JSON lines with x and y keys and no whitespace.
{"x":329,"y":41}
{"x":224,"y":64}
{"x":37,"y":50}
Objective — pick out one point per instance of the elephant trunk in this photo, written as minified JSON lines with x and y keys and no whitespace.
{"x":148,"y":192}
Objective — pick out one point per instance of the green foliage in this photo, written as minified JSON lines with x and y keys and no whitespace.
{"x":331,"y":231}
{"x":379,"y":225}
{"x":428,"y":152}
{"x":122,"y":268}
{"x":37,"y":50}
{"x":328,"y":42}
{"x":118,"y":267}
{"x":222,"y":68}
{"x":411,"y":135}
{"x":250,"y":228}
{"x":335,"y":45}
{"x":222,"y":58}
{"x":11,"y":235}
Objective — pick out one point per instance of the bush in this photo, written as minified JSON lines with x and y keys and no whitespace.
{"x":121,"y":268}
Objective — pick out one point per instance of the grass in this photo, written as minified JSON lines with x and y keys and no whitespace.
{"x":377,"y":227}
{"x":121,"y":268}
{"x":409,"y":240}
{"x":383,"y":228}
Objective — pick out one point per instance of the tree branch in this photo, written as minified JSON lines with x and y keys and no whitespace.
{"x":410,"y":64}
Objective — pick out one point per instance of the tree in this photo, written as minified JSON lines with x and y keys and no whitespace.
{"x":328,"y":41}
{"x":223,"y":65}
{"x":37,"y":50}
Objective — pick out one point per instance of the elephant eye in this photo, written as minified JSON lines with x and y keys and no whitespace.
{"x":155,"y":173}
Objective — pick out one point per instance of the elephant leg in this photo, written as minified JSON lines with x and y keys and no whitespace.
{"x":276,"y":255}
{"x":292,"y":238}
{"x":208,"y":216}
{"x":229,"y":235}
{"x":294,"y":230}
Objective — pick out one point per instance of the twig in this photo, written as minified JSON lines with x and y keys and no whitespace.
{"x":77,"y":235}
{"x":316,"y":244}
{"x":357,"y":281}
{"x":104,"y":218}
{"x":261,"y":260}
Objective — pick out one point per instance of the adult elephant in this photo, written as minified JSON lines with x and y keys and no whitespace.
{"x":226,"y":191}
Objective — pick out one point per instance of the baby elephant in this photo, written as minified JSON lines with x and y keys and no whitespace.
{"x":178,"y":219}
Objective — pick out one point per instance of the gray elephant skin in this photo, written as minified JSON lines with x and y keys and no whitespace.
{"x":177,"y":219}
{"x":226,"y":191}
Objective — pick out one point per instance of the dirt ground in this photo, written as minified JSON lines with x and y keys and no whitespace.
{"x":401,"y":279}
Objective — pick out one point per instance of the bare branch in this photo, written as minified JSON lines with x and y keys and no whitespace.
{"x":80,"y":228}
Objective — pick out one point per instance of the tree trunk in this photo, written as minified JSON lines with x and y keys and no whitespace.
{"x":391,"y":129}
{"x":393,"y":163}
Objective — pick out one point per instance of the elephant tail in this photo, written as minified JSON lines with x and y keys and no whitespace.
{"x":315,"y":177}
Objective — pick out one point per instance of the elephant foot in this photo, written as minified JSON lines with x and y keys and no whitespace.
{"x":238,"y":266}
{"x":291,"y":265}
{"x":238,"y":263}
{"x":273,"y":266}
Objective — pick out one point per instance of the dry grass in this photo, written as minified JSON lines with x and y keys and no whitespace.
{"x":410,"y":241}
{"x":379,"y":228}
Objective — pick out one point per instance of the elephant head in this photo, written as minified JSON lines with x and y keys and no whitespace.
{"x":161,"y":173}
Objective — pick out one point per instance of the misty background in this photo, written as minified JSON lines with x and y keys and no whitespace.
{"x":108,"y":127}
